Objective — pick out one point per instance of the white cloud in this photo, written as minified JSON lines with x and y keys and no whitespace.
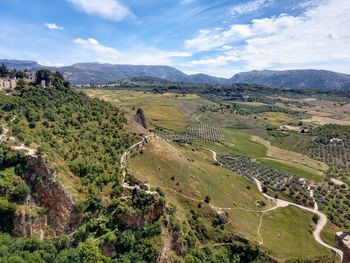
{"x":53,"y":26}
{"x":217,"y":61}
{"x":108,"y":9}
{"x":249,"y":7}
{"x":306,"y":4}
{"x":318,"y":38}
{"x":92,"y":44}
{"x":94,"y":50}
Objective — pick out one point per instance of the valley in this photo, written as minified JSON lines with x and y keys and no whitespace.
{"x":160,"y":174}
{"x":187,"y":173}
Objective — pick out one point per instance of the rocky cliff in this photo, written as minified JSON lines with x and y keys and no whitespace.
{"x":140,"y":118}
{"x":51,"y":195}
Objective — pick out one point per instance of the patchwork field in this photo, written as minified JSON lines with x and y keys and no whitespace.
{"x":321,"y":120}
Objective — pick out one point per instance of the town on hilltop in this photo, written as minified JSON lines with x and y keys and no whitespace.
{"x":10,"y":79}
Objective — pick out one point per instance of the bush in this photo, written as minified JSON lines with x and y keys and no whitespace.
{"x":20,"y":192}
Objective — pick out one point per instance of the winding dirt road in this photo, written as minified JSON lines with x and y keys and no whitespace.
{"x":279,"y":203}
{"x":322,"y":221}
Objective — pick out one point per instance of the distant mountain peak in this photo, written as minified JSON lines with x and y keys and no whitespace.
{"x":297,"y":78}
{"x":102,"y":73}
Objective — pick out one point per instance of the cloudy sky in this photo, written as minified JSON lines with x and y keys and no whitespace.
{"x":218,"y":37}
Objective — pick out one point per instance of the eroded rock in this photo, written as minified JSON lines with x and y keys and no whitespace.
{"x":51,"y":195}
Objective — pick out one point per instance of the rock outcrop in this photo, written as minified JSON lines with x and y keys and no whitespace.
{"x":134,"y":217}
{"x":140,"y":118}
{"x":51,"y":195}
{"x":26,"y":226}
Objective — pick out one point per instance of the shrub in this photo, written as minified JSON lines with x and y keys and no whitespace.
{"x":20,"y":192}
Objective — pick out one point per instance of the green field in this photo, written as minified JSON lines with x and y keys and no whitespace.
{"x":302,"y":171}
{"x":236,"y":141}
{"x":159,"y":109}
{"x":275,"y":118}
{"x":288,"y":231}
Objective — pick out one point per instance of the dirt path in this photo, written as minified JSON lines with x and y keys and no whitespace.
{"x":213,"y":154}
{"x":320,"y":224}
{"x":282,"y":203}
{"x":125,"y":157}
{"x":197,"y":118}
{"x":4,"y":137}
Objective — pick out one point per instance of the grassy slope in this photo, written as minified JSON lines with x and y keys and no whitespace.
{"x":275,"y":118}
{"x":289,"y":232}
{"x":198,"y":177}
{"x":158,"y":108}
{"x":300,"y":160}
{"x":237,"y":141}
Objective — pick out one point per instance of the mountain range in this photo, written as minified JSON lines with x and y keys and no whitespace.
{"x":97,"y":73}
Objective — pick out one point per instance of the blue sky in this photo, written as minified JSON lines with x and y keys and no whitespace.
{"x":218,"y":37}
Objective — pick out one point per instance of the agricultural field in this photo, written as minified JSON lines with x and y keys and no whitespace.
{"x":269,"y":141}
{"x":199,"y":132}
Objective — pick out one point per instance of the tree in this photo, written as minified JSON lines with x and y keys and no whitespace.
{"x":21,"y":192}
{"x":43,"y":74}
{"x":89,"y":252}
{"x":264,"y":189}
{"x":207,"y":199}
{"x":4,"y":71}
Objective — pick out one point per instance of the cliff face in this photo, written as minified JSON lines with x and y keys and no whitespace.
{"x":26,"y":226}
{"x":51,"y":195}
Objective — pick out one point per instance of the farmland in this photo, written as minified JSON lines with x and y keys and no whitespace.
{"x":250,"y":143}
